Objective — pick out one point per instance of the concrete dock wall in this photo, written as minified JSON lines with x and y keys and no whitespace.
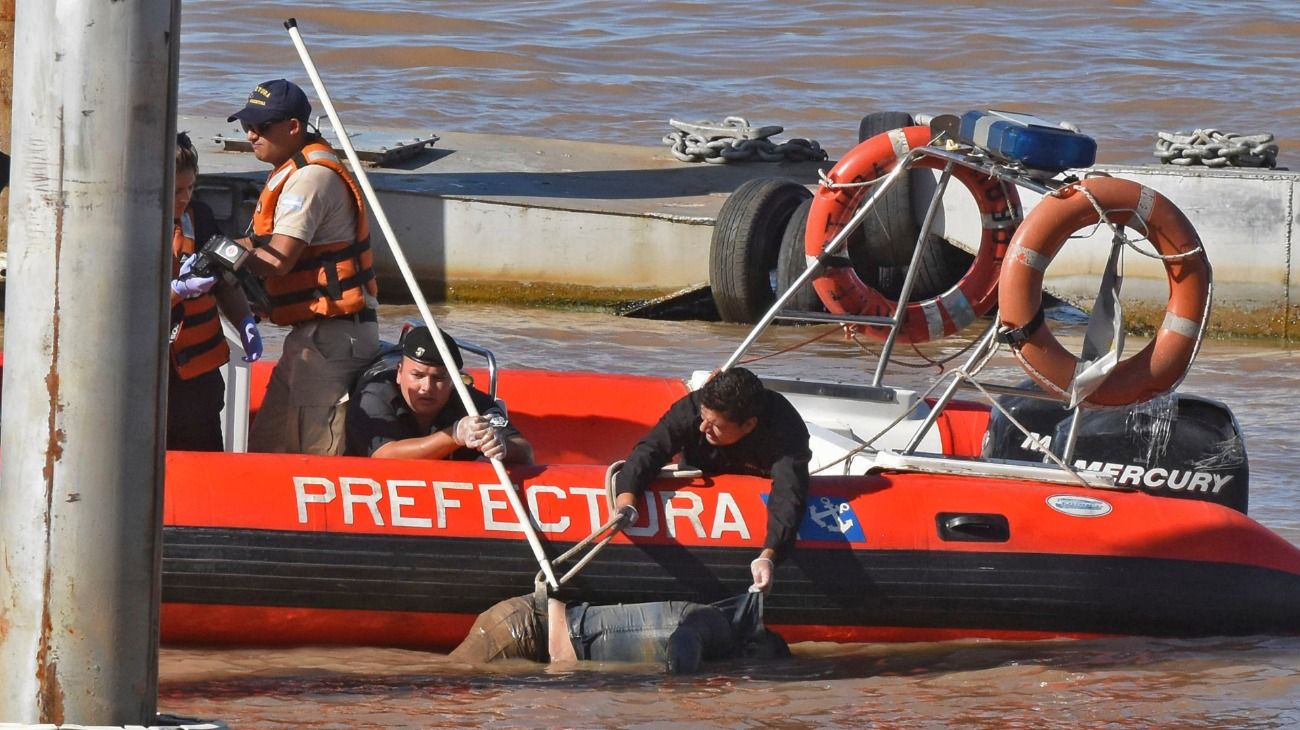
{"x":525,"y":218}
{"x":1246,"y":220}
{"x":453,"y":239}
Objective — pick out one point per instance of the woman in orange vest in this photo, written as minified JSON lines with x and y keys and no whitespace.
{"x":195,"y":389}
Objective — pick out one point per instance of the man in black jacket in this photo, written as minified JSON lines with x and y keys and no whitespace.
{"x":733,"y":425}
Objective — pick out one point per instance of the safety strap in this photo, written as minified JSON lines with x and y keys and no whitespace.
{"x":193,"y":351}
{"x":1103,"y":343}
{"x":1017,"y":336}
{"x":316,"y":292}
{"x":833,"y":261}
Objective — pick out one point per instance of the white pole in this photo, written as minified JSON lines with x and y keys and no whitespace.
{"x":525,"y":519}
{"x":94,"y":140}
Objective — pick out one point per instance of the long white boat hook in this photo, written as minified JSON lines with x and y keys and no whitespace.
{"x":525,"y":519}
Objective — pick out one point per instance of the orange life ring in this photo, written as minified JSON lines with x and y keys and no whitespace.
{"x":843,"y":291}
{"x":1160,"y":365}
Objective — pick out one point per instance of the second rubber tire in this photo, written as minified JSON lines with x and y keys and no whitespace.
{"x":747,"y":243}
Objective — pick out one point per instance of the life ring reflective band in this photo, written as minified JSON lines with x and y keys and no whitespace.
{"x":1160,"y":365}
{"x":843,"y":291}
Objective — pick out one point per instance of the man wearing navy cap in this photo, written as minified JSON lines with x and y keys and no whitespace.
{"x":310,"y":241}
{"x":414,"y":413}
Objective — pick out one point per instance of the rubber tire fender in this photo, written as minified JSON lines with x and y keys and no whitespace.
{"x":941,"y":266}
{"x":746,"y":244}
{"x":888,"y":234}
{"x":793,"y":261}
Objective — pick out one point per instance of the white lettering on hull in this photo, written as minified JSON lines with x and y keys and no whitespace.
{"x":325,"y":496}
{"x":416,"y":504}
{"x":1155,"y":478}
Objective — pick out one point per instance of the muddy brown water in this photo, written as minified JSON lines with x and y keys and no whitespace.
{"x":617,"y":70}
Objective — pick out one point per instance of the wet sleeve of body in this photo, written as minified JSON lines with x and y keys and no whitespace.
{"x":372,"y":422}
{"x":656,"y":448}
{"x":785,"y":503}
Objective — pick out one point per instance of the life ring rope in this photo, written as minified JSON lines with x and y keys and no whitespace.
{"x":1141,"y":214}
{"x":824,"y":180}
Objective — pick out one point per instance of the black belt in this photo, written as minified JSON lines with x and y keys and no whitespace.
{"x":366,"y":315}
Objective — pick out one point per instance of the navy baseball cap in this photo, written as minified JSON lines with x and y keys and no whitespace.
{"x":272,"y":101}
{"x":418,"y":345}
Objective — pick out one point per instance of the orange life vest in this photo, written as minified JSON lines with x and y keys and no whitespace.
{"x":328,"y":280}
{"x":198,"y":345}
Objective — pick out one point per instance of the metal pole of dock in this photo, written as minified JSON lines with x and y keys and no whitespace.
{"x":85,"y":335}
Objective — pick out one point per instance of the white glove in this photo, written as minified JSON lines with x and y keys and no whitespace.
{"x":469,"y":430}
{"x":492,"y":445}
{"x":761,"y":569}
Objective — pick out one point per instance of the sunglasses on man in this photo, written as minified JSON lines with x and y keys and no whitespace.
{"x":261,"y":127}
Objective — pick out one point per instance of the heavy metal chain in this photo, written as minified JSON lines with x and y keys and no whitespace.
{"x":734,"y":140}
{"x":1213,"y":148}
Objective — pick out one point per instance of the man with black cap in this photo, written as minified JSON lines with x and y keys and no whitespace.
{"x":414,"y":413}
{"x":310,"y":240}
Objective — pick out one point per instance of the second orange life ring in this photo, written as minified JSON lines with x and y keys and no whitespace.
{"x":1160,"y":365}
{"x":843,"y":291}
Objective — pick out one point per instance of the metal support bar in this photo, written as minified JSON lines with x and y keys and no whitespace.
{"x":1009,"y":173}
{"x":1076,"y":418}
{"x":922,"y":241}
{"x":834,"y":318}
{"x":977,"y":353}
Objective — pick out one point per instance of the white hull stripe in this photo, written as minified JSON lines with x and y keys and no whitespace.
{"x":1146,"y":201}
{"x":933,"y":318}
{"x":958,"y":307}
{"x":1032,"y":259}
{"x":1188,"y":328}
{"x":899,"y":141}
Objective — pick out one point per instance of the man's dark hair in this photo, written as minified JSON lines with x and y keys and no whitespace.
{"x":735,"y":393}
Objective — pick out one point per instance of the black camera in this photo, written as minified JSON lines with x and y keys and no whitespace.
{"x":217,"y":255}
{"x":221,"y":257}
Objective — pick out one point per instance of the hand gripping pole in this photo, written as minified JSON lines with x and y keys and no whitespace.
{"x":525,"y":519}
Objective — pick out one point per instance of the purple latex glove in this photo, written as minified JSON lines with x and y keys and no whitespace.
{"x":251,"y":339}
{"x":187,"y":285}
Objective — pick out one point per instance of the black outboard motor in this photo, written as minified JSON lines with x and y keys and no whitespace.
{"x":1180,"y":446}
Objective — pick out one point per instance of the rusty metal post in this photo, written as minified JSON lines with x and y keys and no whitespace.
{"x":6,"y":107}
{"x":85,"y":333}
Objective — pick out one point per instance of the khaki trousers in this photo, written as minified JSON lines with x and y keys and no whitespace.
{"x":306,"y":400}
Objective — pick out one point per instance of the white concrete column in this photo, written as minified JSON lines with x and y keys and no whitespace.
{"x":85,"y":333}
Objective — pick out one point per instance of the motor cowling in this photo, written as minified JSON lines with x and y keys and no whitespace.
{"x":1179,"y":446}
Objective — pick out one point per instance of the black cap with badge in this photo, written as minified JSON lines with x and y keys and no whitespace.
{"x":418,"y":345}
{"x":272,"y":101}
